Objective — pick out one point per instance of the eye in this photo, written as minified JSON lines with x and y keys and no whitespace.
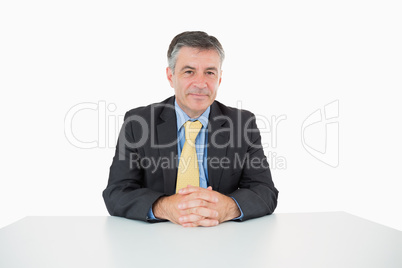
{"x":188,"y":72}
{"x":210,"y":73}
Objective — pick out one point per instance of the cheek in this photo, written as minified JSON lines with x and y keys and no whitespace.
{"x":213,"y":85}
{"x":184,"y":85}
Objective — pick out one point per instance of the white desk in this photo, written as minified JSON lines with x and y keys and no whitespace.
{"x":331,"y":239}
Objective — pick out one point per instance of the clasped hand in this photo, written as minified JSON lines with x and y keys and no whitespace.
{"x":195,"y":206}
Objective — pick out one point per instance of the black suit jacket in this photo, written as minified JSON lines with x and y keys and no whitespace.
{"x":145,"y":164}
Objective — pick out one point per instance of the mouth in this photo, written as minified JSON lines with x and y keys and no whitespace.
{"x":198,"y":95}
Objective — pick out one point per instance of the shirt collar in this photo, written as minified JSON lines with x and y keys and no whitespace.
{"x":182,"y":117}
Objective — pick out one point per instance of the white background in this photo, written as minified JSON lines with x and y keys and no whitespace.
{"x":282,"y":58}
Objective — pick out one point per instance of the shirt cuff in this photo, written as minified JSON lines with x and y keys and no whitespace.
{"x":150,"y":215}
{"x":241,"y":212}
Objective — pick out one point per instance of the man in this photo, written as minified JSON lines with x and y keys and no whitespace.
{"x":190,"y":159}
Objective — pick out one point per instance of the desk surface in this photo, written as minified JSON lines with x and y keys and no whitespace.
{"x":330,"y":239}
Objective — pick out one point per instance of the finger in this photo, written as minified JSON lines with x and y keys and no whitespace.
{"x":207,"y":222}
{"x":203,"y":194}
{"x":190,"y":224}
{"x":203,"y":222}
{"x":192,"y":189}
{"x":189,"y":189}
{"x":203,"y":212}
{"x":192,"y":203}
{"x":190,"y":218}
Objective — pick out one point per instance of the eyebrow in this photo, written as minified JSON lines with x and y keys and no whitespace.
{"x":192,"y":68}
{"x":187,"y":67}
{"x":212,"y":69}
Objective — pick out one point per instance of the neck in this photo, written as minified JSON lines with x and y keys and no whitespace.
{"x":191,"y":114}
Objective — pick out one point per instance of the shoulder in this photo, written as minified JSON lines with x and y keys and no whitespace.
{"x":153,"y":109}
{"x":230,"y":112}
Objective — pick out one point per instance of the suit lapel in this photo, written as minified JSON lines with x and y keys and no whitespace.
{"x":217,"y":144}
{"x":167,"y":141}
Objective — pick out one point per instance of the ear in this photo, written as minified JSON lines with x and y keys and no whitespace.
{"x":220,"y":77}
{"x":169,"y":75}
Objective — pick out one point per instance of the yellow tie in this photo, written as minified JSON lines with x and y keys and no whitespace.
{"x":188,"y":172}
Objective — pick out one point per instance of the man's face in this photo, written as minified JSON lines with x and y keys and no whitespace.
{"x":196,"y":79}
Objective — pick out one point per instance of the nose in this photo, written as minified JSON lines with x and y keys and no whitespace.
{"x":200,"y":81}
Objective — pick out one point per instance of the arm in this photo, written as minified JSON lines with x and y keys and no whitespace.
{"x":125,"y":194}
{"x":256,"y":193}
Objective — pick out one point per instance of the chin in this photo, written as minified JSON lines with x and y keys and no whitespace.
{"x":200,"y":104}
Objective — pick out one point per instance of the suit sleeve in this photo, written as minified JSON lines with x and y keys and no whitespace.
{"x":125,"y":194}
{"x":256,"y":195}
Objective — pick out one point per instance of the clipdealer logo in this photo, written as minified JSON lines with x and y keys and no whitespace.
{"x":319,"y":131}
{"x":109,"y":124}
{"x":320,"y":134}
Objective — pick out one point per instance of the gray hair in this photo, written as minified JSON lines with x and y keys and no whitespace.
{"x":194,"y":39}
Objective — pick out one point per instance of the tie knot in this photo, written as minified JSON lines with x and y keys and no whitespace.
{"x":192,"y":129}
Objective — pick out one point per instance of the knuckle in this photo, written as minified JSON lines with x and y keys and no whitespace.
{"x":212,"y":214}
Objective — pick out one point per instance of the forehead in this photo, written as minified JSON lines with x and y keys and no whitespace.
{"x":190,"y":55}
